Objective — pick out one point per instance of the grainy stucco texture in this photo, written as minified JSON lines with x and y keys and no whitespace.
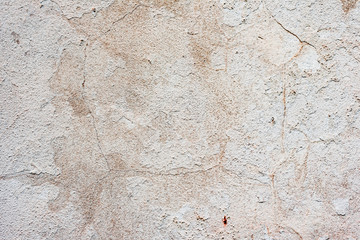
{"x":155,"y":119}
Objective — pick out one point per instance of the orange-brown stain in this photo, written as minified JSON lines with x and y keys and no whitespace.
{"x":347,"y":5}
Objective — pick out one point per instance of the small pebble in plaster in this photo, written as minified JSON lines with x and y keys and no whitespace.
{"x":272,"y":120}
{"x":16,"y":37}
{"x":224,"y":220}
{"x":93,"y":10}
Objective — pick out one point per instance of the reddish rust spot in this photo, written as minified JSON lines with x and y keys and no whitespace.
{"x":224,"y":220}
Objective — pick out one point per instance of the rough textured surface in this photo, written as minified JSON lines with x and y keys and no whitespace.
{"x":155,"y":119}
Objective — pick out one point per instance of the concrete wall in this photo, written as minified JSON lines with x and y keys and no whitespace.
{"x":155,"y":119}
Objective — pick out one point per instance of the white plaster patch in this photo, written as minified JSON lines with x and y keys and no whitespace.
{"x":308,"y":59}
{"x":232,"y":12}
{"x":341,"y":206}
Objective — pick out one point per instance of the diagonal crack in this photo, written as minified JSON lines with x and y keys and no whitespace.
{"x":302,"y":42}
{"x":287,"y":30}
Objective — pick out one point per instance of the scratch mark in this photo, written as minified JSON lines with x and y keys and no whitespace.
{"x":291,"y":230}
{"x":27,"y":173}
{"x":223,"y":149}
{"x":124,"y":16}
{"x":283,"y":121}
{"x":92,"y":11}
{"x":13,"y":122}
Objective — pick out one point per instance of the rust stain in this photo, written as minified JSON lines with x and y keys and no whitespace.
{"x":224,"y":221}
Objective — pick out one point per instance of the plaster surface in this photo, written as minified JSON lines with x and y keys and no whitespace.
{"x":154,"y":119}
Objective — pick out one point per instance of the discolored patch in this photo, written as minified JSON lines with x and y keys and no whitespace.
{"x":79,"y":183}
{"x":78,"y":104}
{"x":168,"y":4}
{"x":347,"y":5}
{"x":116,"y":161}
{"x":205,"y":36}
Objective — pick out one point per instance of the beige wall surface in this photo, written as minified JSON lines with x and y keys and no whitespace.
{"x":154,"y":119}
